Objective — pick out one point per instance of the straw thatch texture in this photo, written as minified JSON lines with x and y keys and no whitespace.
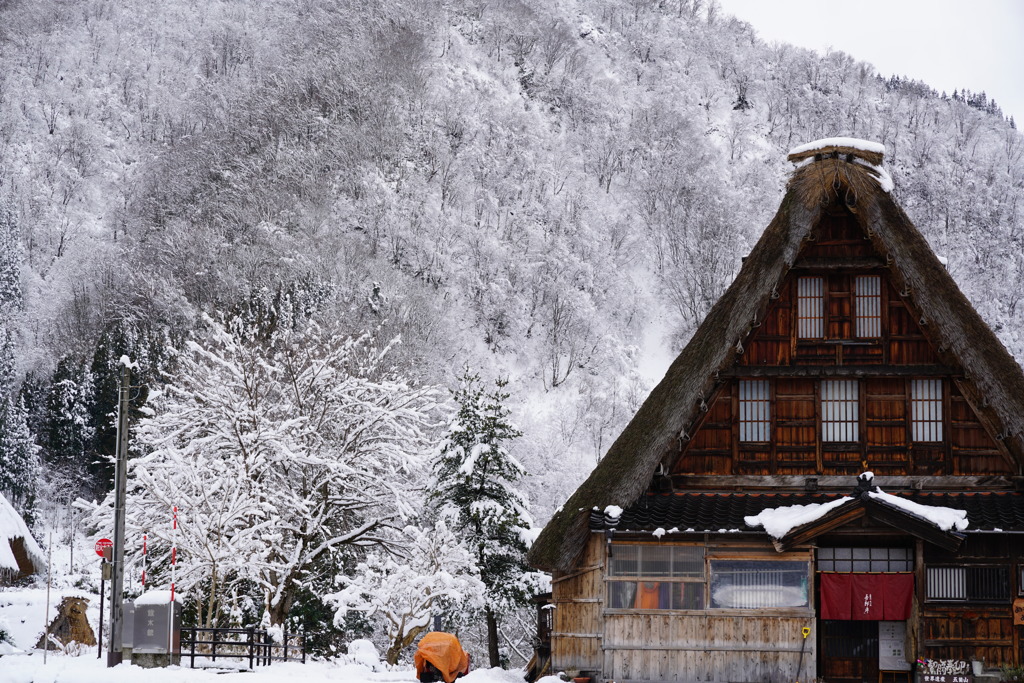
{"x":651,"y":438}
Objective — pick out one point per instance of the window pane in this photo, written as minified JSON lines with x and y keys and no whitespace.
{"x":625,"y":560}
{"x":688,"y":561}
{"x":869,"y":306}
{"x":753,"y":584}
{"x":621,"y":594}
{"x":810,"y":308}
{"x":755,"y":419}
{"x":655,"y":595}
{"x":840,"y":419}
{"x":655,"y":560}
{"x":865,"y":559}
{"x":926,"y":409}
{"x":947,"y":583}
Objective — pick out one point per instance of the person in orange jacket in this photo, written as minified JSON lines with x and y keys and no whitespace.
{"x":440,"y":657}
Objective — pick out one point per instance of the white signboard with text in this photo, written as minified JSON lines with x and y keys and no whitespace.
{"x":891,"y":636}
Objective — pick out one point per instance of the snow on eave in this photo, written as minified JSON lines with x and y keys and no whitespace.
{"x":778,"y":522}
{"x":825,"y":143}
{"x":946,"y":519}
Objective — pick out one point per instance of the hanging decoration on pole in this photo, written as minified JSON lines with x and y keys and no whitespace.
{"x":174,"y":562}
{"x":144,"y":539}
{"x":174,"y":546}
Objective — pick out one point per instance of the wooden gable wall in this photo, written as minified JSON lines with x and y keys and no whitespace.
{"x":883,"y":366}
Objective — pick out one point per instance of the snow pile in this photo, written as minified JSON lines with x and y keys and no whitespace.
{"x":942,"y":517}
{"x":613,"y":512}
{"x":362,"y":651}
{"x":12,"y":526}
{"x":157,"y":598}
{"x":780,"y":521}
{"x":854,"y":143}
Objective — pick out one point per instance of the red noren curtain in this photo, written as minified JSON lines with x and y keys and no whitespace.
{"x":866,"y":597}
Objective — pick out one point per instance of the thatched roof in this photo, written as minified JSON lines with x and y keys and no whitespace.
{"x":20,"y":555}
{"x":994,"y":381}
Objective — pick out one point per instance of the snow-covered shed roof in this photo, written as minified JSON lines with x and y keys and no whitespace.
{"x":19,"y":553}
{"x":827,"y":175}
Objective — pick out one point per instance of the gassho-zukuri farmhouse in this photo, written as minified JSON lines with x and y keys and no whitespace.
{"x":828,"y":481}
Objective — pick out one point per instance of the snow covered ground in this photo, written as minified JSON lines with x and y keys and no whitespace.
{"x":88,"y":669}
{"x":23,"y":616}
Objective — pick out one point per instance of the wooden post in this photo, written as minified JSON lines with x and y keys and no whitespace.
{"x":115,"y":654}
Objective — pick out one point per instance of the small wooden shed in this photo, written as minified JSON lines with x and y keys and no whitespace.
{"x":20,"y":555}
{"x":828,"y":481}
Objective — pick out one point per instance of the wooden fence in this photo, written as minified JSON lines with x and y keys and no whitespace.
{"x":246,"y":644}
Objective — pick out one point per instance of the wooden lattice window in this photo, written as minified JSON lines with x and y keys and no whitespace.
{"x":967,"y":584}
{"x":840,"y":415}
{"x":810,"y":308}
{"x":868,"y":301}
{"x":926,"y":409}
{"x":845,"y":560}
{"x":755,"y":410}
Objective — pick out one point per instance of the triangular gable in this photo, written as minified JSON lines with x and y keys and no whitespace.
{"x":878,"y":510}
{"x":994,"y":382}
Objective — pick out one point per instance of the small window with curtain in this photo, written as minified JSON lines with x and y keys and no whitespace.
{"x":840,"y":417}
{"x":755,"y":410}
{"x":655,"y":577}
{"x":926,"y":409}
{"x":810,"y":308}
{"x":758,"y":584}
{"x":868,"y":306}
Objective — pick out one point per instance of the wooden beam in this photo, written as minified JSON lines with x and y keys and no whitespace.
{"x":796,"y":483}
{"x":841,"y":371}
{"x":841,"y":263}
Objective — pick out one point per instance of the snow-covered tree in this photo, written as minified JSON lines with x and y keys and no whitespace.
{"x":476,"y":477}
{"x":278,"y":450}
{"x":11,"y":254}
{"x":432,"y":572}
{"x":19,"y":455}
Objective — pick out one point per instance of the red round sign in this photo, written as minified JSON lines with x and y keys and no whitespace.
{"x":102,"y":544}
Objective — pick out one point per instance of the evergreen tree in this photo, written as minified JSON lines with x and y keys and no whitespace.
{"x":11,"y":254}
{"x":19,"y":459}
{"x":476,"y":476}
{"x":66,"y":430}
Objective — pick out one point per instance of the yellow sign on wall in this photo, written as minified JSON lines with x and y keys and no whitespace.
{"x":1018,"y":612}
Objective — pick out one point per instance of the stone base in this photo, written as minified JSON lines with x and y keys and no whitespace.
{"x":152,"y":660}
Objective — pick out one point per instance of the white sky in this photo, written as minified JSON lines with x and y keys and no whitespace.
{"x":948,"y":44}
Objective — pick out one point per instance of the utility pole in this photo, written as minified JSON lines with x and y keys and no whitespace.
{"x":115,"y":654}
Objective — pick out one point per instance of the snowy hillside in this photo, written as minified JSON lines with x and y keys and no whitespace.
{"x":305,"y":222}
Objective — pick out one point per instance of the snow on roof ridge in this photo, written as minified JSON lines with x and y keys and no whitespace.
{"x":778,"y":522}
{"x":942,"y":517}
{"x":855,"y":143}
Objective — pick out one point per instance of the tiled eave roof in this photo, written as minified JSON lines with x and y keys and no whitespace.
{"x":697,"y":512}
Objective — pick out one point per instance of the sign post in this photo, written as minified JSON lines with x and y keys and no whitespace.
{"x":104,"y":548}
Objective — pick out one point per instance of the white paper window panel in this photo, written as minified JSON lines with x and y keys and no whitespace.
{"x":840,"y":417}
{"x":868,"y":301}
{"x":755,"y":410}
{"x":810,"y":308}
{"x":926,"y":409}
